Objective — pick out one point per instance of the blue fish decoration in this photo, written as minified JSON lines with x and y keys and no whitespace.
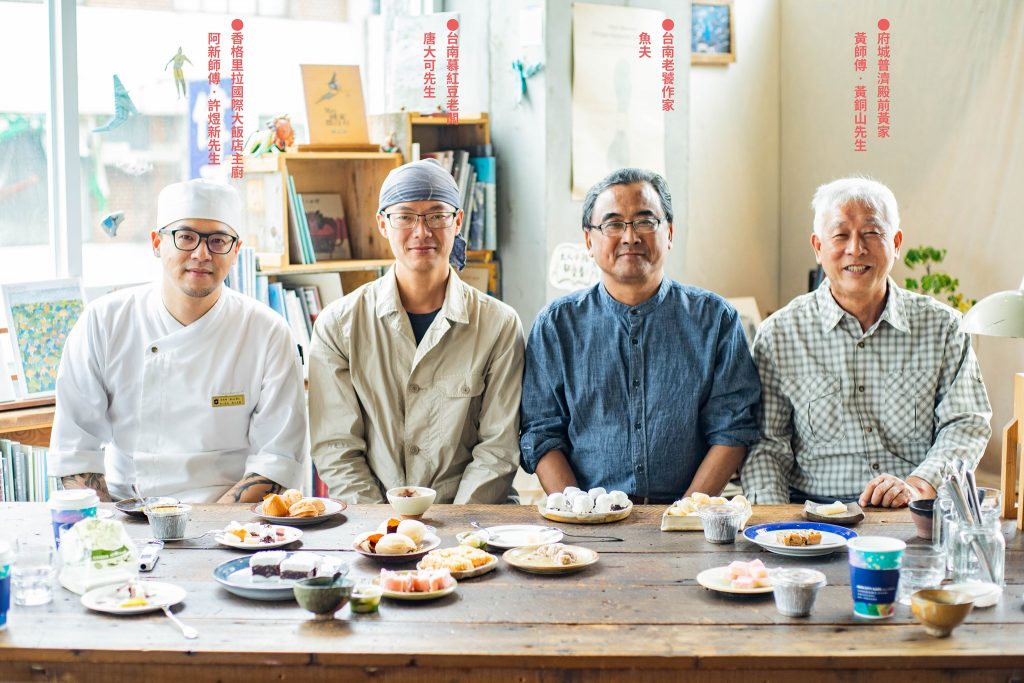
{"x":123,"y":108}
{"x":111,"y":221}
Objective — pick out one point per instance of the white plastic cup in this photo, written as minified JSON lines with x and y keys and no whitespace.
{"x":70,"y":506}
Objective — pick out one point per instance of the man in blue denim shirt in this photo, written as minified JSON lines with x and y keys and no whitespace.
{"x":639,"y":383}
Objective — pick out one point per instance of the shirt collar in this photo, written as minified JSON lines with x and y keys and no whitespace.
{"x":642,"y":308}
{"x":893,"y":313}
{"x":453,"y":308}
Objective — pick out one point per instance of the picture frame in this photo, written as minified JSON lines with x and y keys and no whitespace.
{"x":712,"y":32}
{"x":39,"y":317}
{"x":334,"y":105}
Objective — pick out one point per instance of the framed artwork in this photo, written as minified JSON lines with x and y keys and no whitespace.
{"x":39,"y":317}
{"x":334,"y":104}
{"x":712,"y":37}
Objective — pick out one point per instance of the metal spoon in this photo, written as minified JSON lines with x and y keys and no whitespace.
{"x":186,"y":631}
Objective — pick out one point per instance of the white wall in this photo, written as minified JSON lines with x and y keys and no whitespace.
{"x":733,"y":237}
{"x":956,"y":156}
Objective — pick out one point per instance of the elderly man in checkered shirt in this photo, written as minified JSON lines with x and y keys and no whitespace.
{"x":868,"y":390}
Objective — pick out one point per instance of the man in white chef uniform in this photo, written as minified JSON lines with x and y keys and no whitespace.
{"x":191,"y":389}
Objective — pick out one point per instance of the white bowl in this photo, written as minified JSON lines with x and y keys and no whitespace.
{"x":411,"y":506}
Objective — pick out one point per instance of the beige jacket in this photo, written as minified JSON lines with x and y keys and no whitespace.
{"x":385,"y":412}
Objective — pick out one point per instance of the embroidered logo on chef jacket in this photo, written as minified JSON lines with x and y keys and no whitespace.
{"x":225,"y":400}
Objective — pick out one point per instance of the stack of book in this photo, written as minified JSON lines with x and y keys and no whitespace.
{"x":317,"y":227}
{"x":23,"y":476}
{"x":474,"y":170}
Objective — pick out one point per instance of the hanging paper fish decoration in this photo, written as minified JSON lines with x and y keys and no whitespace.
{"x":333,"y":88}
{"x":111,"y":221}
{"x":123,"y":108}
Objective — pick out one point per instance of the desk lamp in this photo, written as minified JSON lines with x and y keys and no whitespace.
{"x":1002,"y":315}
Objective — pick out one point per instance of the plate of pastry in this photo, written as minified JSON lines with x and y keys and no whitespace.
{"x":133,"y":597}
{"x":293,"y":509}
{"x":846,"y":514}
{"x":463,"y":561}
{"x":596,"y":506}
{"x":270,"y":574}
{"x":397,"y":540}
{"x":684,"y":514}
{"x":799,"y":539}
{"x":739,"y":577}
{"x":551,"y":558}
{"x":416,"y":584}
{"x":256,"y":536}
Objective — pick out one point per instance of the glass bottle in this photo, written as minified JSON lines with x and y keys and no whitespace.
{"x":974,"y":547}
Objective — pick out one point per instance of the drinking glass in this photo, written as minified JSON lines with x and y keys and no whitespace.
{"x":924,"y":566}
{"x":32,"y":573}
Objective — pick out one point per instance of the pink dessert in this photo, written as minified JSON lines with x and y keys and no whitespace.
{"x":420,"y":581}
{"x":746,"y":575}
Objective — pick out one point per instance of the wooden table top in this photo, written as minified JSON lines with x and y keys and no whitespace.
{"x":638,"y":609}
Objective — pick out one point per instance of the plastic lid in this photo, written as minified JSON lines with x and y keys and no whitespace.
{"x":74,"y":499}
{"x":5,"y":553}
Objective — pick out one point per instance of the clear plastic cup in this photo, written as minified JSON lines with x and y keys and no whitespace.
{"x":721,"y":523}
{"x":32,"y":573}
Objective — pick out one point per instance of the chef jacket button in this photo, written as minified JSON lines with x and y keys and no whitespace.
{"x":465,"y":390}
{"x":414,"y":388}
{"x":414,"y":450}
{"x":152,"y":349}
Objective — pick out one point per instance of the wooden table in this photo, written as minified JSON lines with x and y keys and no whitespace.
{"x":638,"y":614}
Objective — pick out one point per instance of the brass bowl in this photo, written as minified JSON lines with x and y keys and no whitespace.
{"x":940,"y":611}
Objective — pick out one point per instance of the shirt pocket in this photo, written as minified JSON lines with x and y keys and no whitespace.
{"x":817,"y":407}
{"x":908,"y":414}
{"x":460,"y":401}
{"x":228,"y":428}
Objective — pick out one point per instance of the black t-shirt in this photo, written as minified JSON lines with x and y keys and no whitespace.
{"x":421,"y":323}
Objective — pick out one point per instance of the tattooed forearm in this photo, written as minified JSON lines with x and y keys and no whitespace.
{"x":251,"y":489}
{"x":88,"y":480}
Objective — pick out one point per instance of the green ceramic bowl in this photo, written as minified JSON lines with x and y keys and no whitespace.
{"x":323,"y":595}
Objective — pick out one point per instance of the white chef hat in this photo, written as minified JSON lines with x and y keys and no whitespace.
{"x":199,"y":199}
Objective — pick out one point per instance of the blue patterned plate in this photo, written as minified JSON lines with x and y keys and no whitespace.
{"x":833,"y":538}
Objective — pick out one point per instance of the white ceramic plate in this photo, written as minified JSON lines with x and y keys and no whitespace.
{"x":717,"y":579}
{"x":331,"y":508}
{"x":414,"y":597}
{"x":833,"y":538}
{"x":236,"y":577}
{"x":518,"y":535}
{"x":430,"y":541}
{"x":105,"y":598}
{"x":583,"y":517}
{"x":291,"y":534}
{"x":520,"y":559}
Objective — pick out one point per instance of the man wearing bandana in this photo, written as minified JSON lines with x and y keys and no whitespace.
{"x":415,"y":379}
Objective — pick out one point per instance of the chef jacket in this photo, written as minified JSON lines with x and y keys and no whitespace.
{"x":444,"y":413}
{"x":181,"y":410}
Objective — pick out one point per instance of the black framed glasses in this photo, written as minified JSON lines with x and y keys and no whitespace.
{"x":615,"y":228}
{"x":406,"y":220}
{"x":186,"y":239}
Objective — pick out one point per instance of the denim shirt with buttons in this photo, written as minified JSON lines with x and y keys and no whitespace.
{"x":636,"y":395}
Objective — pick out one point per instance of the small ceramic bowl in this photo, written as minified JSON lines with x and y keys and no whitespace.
{"x":921,"y":514}
{"x":323,"y":595}
{"x":940,"y":611}
{"x":411,"y":501}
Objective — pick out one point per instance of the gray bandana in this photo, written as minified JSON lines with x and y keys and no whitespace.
{"x":419,"y":181}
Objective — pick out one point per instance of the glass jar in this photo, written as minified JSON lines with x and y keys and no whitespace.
{"x":979,"y":552}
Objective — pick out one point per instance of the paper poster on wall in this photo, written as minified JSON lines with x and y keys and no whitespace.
{"x":418,"y":69}
{"x":570,"y":268}
{"x":617,"y":119}
{"x":39,"y":317}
